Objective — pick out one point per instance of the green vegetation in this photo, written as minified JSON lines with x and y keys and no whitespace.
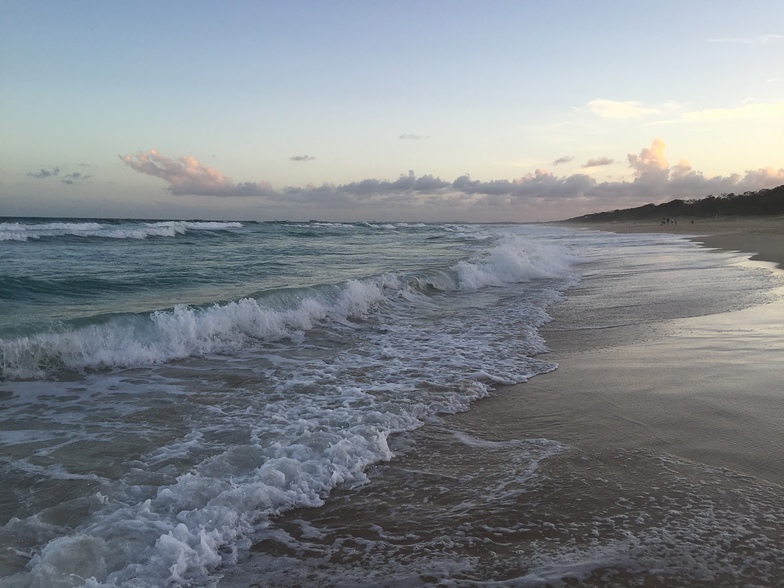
{"x":761,"y":203}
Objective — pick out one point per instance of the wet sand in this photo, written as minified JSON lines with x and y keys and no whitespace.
{"x":708,"y":389}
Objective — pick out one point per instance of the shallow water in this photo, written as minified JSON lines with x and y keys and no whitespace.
{"x":458,"y":510}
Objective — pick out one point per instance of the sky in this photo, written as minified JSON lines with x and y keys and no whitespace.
{"x":426,"y":110}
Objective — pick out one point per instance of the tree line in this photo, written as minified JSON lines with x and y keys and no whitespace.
{"x":766,"y":202}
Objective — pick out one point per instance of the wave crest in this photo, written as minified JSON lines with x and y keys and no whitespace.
{"x":25,"y":232}
{"x":186,"y":331}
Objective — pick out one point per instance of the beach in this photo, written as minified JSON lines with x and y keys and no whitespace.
{"x":707,"y":389}
{"x":763,"y":236}
{"x":650,"y":457}
{"x":461,"y":405}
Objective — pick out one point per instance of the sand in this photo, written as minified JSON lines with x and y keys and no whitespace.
{"x":706,"y":389}
{"x":763,"y":237}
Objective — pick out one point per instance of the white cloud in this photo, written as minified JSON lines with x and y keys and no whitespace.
{"x":758,"y":40}
{"x":673,"y":112}
{"x":744,"y":111}
{"x":620,"y":110}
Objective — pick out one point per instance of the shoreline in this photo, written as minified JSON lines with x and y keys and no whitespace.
{"x":705,"y":389}
{"x":651,"y":456}
{"x":686,"y":393}
{"x":763,"y":237}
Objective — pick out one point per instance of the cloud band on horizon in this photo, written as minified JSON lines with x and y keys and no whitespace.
{"x":654,"y":180}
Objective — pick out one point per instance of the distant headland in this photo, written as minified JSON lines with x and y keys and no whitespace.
{"x":767,"y":202}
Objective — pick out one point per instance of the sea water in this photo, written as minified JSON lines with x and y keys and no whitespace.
{"x":172,"y":392}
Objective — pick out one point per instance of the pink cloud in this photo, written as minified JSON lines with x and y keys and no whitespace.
{"x":650,"y":160}
{"x":186,"y":176}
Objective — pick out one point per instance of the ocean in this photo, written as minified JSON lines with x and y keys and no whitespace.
{"x":267,"y":403}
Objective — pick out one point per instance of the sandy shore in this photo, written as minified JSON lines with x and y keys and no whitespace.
{"x":763,"y":237}
{"x":612,"y":509}
{"x":707,"y":389}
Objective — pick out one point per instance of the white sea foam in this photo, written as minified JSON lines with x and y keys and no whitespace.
{"x":311,"y":384}
{"x":515,"y":259}
{"x":383,"y":226}
{"x":24,"y":232}
{"x":186,"y":331}
{"x":182,"y":531}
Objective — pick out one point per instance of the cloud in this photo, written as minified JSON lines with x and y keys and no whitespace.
{"x":75,"y":178}
{"x":564,"y":159}
{"x":650,"y":161}
{"x":675,"y":113}
{"x":370,"y":189}
{"x":45,"y":173}
{"x":72,"y":178}
{"x":758,"y":40}
{"x":745,"y":111}
{"x":538,"y":195}
{"x":540,"y":183}
{"x":656,"y":181}
{"x":619,"y":110}
{"x":599,"y":161}
{"x":186,"y":176}
{"x":302,"y":158}
{"x":410,"y":137}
